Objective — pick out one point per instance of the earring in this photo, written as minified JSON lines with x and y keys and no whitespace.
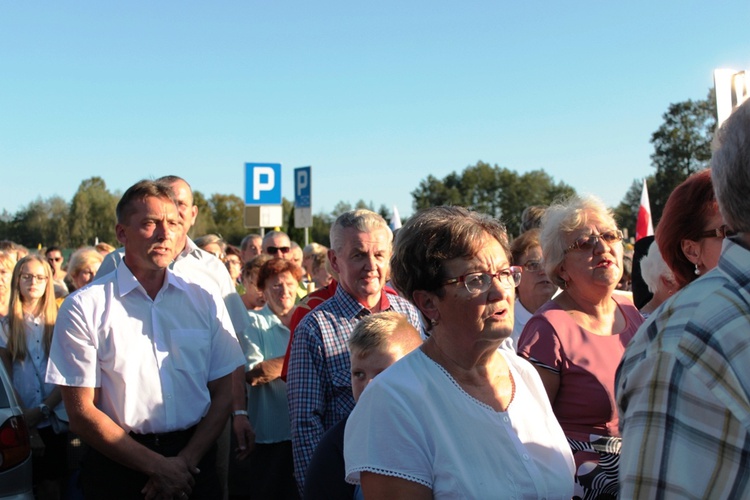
{"x":433,"y":322}
{"x":697,"y":271}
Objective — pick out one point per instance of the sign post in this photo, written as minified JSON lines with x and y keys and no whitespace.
{"x":303,"y":199}
{"x":263,"y":195}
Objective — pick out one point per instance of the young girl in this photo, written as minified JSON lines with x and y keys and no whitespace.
{"x":24,"y":349}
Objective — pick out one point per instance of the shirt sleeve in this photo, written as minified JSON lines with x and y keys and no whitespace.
{"x":250,"y":342}
{"x":384,"y":436}
{"x":306,"y":394}
{"x":73,"y":359}
{"x":226,"y":354}
{"x":540,"y":344}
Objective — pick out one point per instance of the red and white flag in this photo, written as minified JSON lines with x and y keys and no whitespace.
{"x":644,"y":227}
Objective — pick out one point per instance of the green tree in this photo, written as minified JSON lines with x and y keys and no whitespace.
{"x":205,"y":223}
{"x":228,"y":213}
{"x":682,"y":146}
{"x":92,"y":214}
{"x":499,"y":192}
{"x":40,"y":223}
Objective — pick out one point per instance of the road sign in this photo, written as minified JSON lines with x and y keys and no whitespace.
{"x":302,"y":187}
{"x":262,"y":183}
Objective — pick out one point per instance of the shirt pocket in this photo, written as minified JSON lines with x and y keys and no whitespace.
{"x":190,"y":349}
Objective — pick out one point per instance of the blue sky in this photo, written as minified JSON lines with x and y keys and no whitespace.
{"x":374,"y":96}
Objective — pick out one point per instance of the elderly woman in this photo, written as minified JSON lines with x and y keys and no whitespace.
{"x":577,"y":339}
{"x":658,"y":277}
{"x":458,"y":417}
{"x":692,"y":229}
{"x":535,"y":288}
{"x":83,"y":266}
{"x":264,"y":343}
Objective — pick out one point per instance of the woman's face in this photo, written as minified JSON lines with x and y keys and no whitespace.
{"x":33,"y":282}
{"x":600,"y":266}
{"x":86,"y":274}
{"x":535,"y":288}
{"x":234,"y":266}
{"x":281,"y":293}
{"x":5,"y":277}
{"x":252,"y":292}
{"x":708,"y":249}
{"x":482,"y":316}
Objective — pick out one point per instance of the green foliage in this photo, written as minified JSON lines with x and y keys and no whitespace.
{"x":228,"y":213}
{"x":496,"y":191}
{"x":205,"y":223}
{"x":92,"y":214}
{"x":682,"y":146}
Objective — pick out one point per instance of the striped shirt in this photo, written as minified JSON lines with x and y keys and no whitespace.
{"x":319,"y":379}
{"x":683,"y":388}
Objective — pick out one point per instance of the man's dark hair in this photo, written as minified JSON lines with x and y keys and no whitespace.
{"x":139,"y":191}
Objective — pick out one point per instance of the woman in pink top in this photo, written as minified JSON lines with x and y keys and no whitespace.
{"x":576,"y":340}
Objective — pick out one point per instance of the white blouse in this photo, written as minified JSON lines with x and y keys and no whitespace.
{"x":416,"y":423}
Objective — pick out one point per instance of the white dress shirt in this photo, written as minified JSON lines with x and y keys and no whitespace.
{"x":152,"y":359}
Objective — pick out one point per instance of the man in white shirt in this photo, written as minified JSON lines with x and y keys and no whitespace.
{"x":145,"y":359}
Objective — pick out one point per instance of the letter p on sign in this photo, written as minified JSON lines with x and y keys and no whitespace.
{"x":262,"y":183}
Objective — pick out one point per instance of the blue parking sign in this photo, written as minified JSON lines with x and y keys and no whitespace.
{"x":263,"y":183}
{"x":302,"y":187}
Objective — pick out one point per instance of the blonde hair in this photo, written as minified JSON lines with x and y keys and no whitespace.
{"x":381,"y":331}
{"x":81,"y":258}
{"x":16,"y":333}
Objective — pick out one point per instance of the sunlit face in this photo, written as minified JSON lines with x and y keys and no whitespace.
{"x":482,"y":316}
{"x":535,"y":288}
{"x":278,"y":245}
{"x":5,"y":277}
{"x":321,"y":277}
{"x":280,"y":291}
{"x":297,"y":256}
{"x":234,"y":266}
{"x":150,"y":234}
{"x":55,"y":260}
{"x":254,"y":296}
{"x":600,"y":266}
{"x":187,"y":210}
{"x":86,"y":275}
{"x":362,"y":263}
{"x":365,"y":368}
{"x":710,"y":248}
{"x":33,"y":281}
{"x":253,"y":249}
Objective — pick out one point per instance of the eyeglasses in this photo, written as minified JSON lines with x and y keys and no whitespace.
{"x":533,"y":266}
{"x":273,"y":250}
{"x":477,"y":283}
{"x":722,"y":231}
{"x":30,"y":277}
{"x":588,"y":242}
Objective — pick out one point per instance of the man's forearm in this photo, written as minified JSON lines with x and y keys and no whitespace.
{"x":265,"y":371}
{"x":209,"y":428}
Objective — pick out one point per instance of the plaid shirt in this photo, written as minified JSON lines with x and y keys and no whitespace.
{"x":319,"y":378}
{"x":683,"y":388}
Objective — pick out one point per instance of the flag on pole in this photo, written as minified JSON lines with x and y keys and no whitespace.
{"x":644,"y":227}
{"x":395,"y":219}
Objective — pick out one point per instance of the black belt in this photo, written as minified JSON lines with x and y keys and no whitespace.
{"x":157,"y":440}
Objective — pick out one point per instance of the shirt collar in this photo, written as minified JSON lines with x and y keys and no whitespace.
{"x":353,"y":308}
{"x":127,"y":282}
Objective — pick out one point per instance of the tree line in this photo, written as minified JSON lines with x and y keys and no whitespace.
{"x":682,"y":146}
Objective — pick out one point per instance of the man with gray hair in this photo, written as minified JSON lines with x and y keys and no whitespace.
{"x":683,"y":386}
{"x":318,"y":382}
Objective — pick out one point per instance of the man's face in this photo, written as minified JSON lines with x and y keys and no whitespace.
{"x":55,"y":260}
{"x":279,"y":246}
{"x":253,"y":249}
{"x":150,"y":235}
{"x":362,"y":263}
{"x":188,"y":211}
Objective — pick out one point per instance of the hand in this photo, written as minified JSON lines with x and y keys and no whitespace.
{"x":33,"y":417}
{"x":245,"y":436}
{"x":172,"y":479}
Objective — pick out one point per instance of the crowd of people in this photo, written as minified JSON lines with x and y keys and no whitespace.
{"x":450,"y":362}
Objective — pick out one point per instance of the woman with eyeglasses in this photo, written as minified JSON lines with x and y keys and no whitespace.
{"x":535,"y":288}
{"x":692,"y":229}
{"x":24,"y":349}
{"x":576,"y":340}
{"x":458,"y":417}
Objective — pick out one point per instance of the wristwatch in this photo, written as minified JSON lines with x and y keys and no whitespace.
{"x":45,"y":410}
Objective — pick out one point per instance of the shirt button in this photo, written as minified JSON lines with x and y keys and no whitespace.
{"x":525,"y":456}
{"x":506,"y":419}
